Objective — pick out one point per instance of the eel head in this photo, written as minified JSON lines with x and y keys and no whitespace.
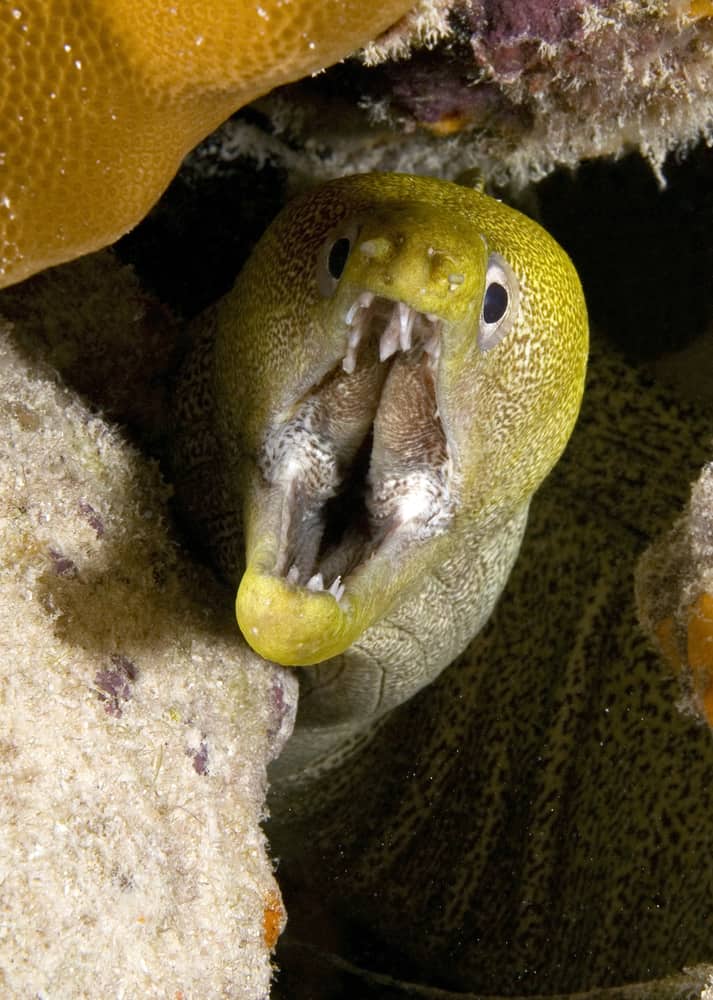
{"x":397,"y":368}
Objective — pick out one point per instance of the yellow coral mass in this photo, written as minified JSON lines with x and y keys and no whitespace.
{"x":101,"y":101}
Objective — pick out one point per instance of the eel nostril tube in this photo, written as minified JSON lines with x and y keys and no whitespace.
{"x":378,"y":248}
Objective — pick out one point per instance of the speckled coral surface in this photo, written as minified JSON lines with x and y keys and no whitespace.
{"x":514,"y":89}
{"x":136,"y":726}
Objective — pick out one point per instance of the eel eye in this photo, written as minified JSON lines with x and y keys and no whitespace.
{"x":333,"y":257}
{"x":495,"y":303}
{"x":337,"y":259}
{"x":501,"y":303}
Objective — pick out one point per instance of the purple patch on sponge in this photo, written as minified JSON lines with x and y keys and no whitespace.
{"x":200,"y":758}
{"x":92,"y":518}
{"x":433,"y":90}
{"x":500,"y":43}
{"x":63,"y":565}
{"x":502,"y":22}
{"x":114,"y":685}
{"x":508,"y":34}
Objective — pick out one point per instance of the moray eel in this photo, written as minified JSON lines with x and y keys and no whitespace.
{"x":539,"y":820}
{"x":534,"y":820}
{"x":398,"y":366}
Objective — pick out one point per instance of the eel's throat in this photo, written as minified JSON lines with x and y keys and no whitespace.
{"x":357,"y":480}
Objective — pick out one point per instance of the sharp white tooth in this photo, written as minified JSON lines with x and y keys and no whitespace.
{"x":349,"y":360}
{"x":362,"y":301}
{"x":432,"y":347}
{"x":389,"y":343}
{"x":406,"y":319}
{"x":316,"y":582}
{"x":353,"y":337}
{"x":294,"y":574}
{"x":337,"y":588}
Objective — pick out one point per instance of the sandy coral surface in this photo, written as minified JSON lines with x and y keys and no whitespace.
{"x":136,"y":725}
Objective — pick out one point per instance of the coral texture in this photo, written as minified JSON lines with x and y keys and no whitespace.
{"x":675,"y":597}
{"x":102,"y":100}
{"x":136,"y":724}
{"x":514,"y":89}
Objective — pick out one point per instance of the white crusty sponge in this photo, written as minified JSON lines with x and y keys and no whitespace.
{"x":136,"y":727}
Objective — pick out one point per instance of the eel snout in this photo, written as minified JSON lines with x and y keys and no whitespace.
{"x":365,"y":453}
{"x":358,"y":474}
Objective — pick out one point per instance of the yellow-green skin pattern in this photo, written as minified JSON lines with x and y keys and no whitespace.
{"x":507,"y":414}
{"x":539,"y":820}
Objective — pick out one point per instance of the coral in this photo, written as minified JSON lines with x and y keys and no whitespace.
{"x":425,"y":25}
{"x":115,"y":354}
{"x":136,"y":724}
{"x":101,"y":102}
{"x":575,"y":79}
{"x":99,"y":110}
{"x":515,"y":89}
{"x":675,"y":597}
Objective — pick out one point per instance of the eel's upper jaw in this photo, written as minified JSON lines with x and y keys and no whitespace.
{"x":352,"y":491}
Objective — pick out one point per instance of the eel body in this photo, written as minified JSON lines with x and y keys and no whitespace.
{"x":397,"y":368}
{"x":538,"y":821}
{"x":367,"y":418}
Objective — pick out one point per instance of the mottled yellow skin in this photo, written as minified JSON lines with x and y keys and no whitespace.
{"x":507,"y":412}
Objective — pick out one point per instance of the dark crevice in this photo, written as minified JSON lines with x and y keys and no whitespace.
{"x":644,"y":254}
{"x":347,"y":510}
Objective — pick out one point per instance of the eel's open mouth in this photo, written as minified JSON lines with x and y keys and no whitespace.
{"x":362,"y":463}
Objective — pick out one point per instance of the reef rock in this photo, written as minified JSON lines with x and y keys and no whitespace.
{"x":136,"y":724}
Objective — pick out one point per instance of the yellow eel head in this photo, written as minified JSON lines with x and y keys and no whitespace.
{"x":402,"y":359}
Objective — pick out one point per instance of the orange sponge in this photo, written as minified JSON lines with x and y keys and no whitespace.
{"x":101,"y":100}
{"x":700,"y":650}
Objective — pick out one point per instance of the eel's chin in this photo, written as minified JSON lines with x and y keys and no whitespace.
{"x":351,"y":492}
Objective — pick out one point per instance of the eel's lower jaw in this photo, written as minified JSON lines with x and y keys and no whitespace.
{"x":300,"y":625}
{"x":292,"y":625}
{"x":352,"y":493}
